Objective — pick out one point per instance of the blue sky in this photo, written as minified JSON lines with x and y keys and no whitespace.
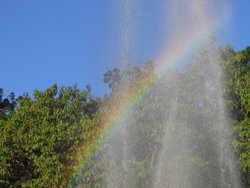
{"x":43,"y":42}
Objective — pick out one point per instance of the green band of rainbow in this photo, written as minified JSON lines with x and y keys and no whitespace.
{"x":181,"y":44}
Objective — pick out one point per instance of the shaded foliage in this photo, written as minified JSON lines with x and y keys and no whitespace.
{"x":7,"y":104}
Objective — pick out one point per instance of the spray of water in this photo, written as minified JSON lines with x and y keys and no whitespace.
{"x":117,"y":167}
{"x":194,"y":149}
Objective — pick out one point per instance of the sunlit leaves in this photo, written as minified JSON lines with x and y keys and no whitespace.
{"x":41,"y":136}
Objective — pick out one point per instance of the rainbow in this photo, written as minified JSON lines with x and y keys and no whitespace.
{"x":183,"y":41}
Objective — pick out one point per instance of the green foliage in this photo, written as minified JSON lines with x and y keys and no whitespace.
{"x":237,"y":94}
{"x":196,"y":113}
{"x":39,"y":139}
{"x":45,"y":138}
{"x":7,"y":104}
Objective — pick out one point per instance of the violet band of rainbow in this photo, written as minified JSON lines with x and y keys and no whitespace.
{"x":179,"y":46}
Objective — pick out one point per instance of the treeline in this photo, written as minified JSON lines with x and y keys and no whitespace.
{"x":46,"y":138}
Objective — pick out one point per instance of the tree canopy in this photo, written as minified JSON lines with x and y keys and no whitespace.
{"x":44,"y":136}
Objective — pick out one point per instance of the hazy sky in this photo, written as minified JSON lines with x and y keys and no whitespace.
{"x":43,"y":42}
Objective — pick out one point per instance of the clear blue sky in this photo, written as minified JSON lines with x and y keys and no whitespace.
{"x":43,"y":42}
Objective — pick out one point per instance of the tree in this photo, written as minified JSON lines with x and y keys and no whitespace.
{"x":237,"y":94}
{"x":7,"y":104}
{"x":39,"y":140}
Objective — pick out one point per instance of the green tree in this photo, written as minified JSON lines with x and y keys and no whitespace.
{"x":39,"y":140}
{"x":7,"y":104}
{"x":237,"y":94}
{"x":195,"y":90}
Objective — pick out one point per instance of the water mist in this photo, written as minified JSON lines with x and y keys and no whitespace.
{"x":177,"y":135}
